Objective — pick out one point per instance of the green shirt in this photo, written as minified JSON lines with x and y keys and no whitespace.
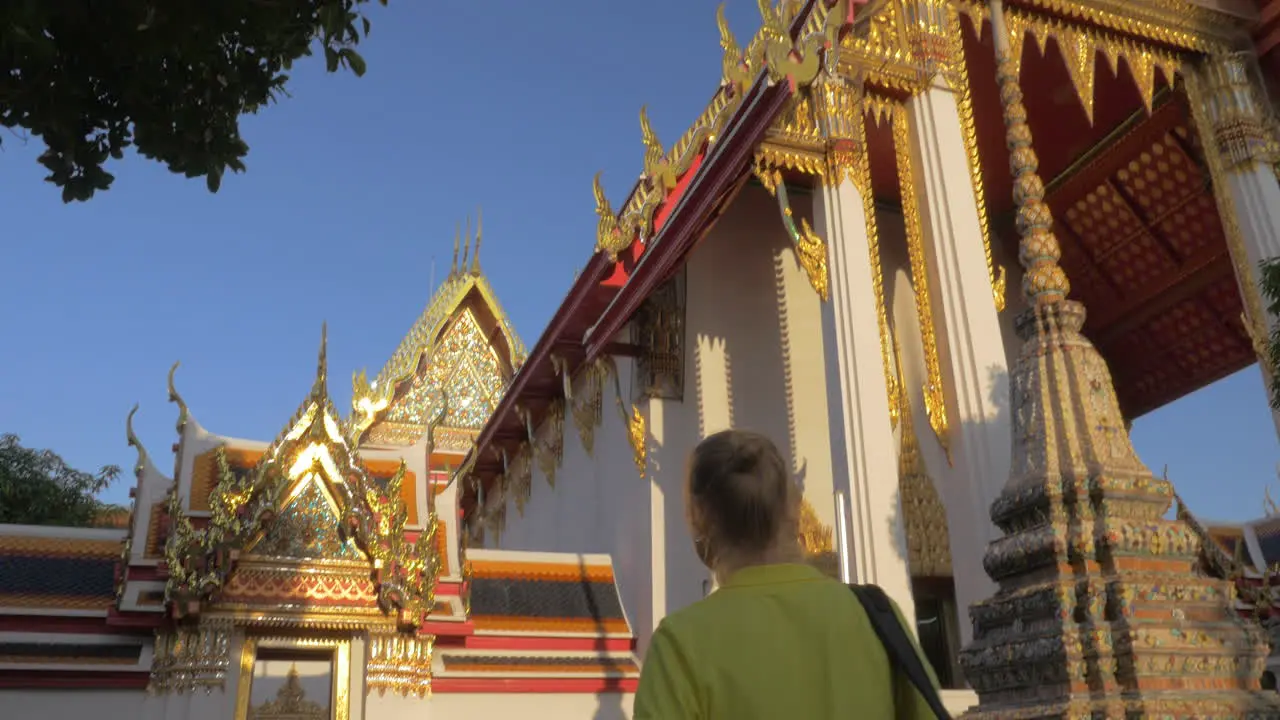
{"x":776,"y":641}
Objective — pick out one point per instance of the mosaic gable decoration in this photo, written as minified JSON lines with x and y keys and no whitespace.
{"x":309,"y":500}
{"x":448,"y":350}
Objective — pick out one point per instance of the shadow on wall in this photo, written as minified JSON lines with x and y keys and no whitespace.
{"x":609,"y":698}
{"x":941,"y":621}
{"x":1002,"y":419}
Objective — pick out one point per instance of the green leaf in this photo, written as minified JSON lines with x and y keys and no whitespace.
{"x":354,"y":61}
{"x":193,"y":73}
{"x":213,"y":180}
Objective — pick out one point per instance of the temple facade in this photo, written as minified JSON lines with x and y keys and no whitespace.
{"x":320,"y":575}
{"x":860,"y":250}
{"x":944,"y":252}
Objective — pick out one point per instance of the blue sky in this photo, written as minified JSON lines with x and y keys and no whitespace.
{"x":353,"y":192}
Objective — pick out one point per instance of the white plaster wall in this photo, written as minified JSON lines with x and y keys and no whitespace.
{"x":1006,"y":256}
{"x":72,"y":704}
{"x":446,"y":706}
{"x":900,"y":299}
{"x":967,"y":547}
{"x":600,"y":504}
{"x":753,"y":359}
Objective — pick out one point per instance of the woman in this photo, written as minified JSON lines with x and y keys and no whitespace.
{"x":778,"y":639}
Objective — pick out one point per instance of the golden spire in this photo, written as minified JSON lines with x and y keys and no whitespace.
{"x":457,"y":243}
{"x":475,"y":254}
{"x":1038,"y":250}
{"x":466,"y":249}
{"x":322,"y":365}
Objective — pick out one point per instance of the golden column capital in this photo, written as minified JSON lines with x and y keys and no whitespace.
{"x":838,"y":109}
{"x":928,"y":28}
{"x":1234,"y":107}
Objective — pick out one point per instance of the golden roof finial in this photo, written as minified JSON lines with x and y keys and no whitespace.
{"x":322,"y":365}
{"x":466,"y":247}
{"x":653,"y":151}
{"x":1044,"y":281}
{"x":475,"y":254}
{"x":136,"y":444}
{"x":457,"y":244}
{"x":174,"y":397}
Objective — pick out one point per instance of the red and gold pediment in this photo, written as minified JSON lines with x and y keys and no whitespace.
{"x":307,"y":526}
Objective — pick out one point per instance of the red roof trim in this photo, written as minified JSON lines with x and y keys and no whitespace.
{"x":561,"y":644}
{"x":62,"y":624}
{"x":585,"y":686}
{"x":723,"y":166}
{"x":73,"y":680}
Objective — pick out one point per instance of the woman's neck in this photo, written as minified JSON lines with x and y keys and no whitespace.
{"x":780,"y":553}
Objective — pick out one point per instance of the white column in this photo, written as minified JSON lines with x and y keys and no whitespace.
{"x":1238,"y":129}
{"x":970,"y":344}
{"x":864,"y":457}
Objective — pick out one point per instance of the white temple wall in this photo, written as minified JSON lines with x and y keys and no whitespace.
{"x":446,"y":706}
{"x":753,"y":359}
{"x":755,"y":356}
{"x":968,"y":544}
{"x":1014,"y":303}
{"x":68,"y":704}
{"x":600,"y":504}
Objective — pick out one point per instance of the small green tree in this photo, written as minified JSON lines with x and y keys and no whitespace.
{"x":1270,"y":276}
{"x":90,"y":77}
{"x":38,"y":488}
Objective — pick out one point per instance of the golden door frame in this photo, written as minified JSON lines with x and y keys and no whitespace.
{"x":339,"y":648}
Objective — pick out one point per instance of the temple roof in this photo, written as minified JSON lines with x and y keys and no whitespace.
{"x":309,"y":498}
{"x":54,"y":568}
{"x":485,"y":352}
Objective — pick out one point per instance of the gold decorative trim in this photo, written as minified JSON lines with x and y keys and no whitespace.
{"x":587,"y":405}
{"x":924,"y":516}
{"x":1079,"y":46}
{"x":549,"y":449}
{"x":185,"y":659}
{"x":810,"y":249}
{"x":956,"y":73}
{"x":380,"y":571}
{"x":794,"y":141}
{"x":771,"y":50}
{"x":862,"y":181}
{"x":633,"y":420}
{"x":1179,"y":24}
{"x":934,"y":401}
{"x":399,"y":663}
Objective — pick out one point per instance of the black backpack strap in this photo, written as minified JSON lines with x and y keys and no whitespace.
{"x":902,"y":652}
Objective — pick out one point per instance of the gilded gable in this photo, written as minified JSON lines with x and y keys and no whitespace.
{"x":464,"y":368}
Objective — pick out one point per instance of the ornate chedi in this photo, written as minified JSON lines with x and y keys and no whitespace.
{"x":1103,"y":610}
